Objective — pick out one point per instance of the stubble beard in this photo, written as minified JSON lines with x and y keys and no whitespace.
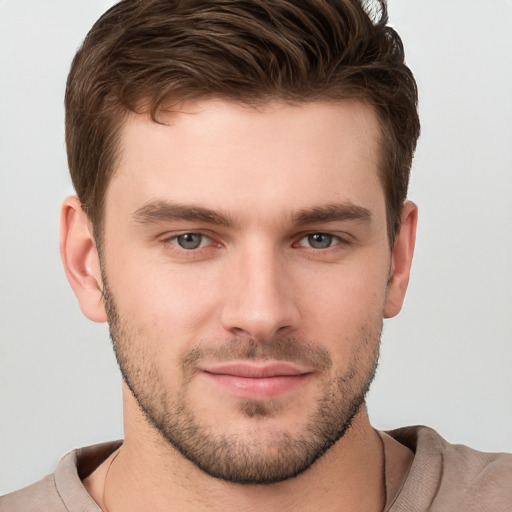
{"x":245,"y":458}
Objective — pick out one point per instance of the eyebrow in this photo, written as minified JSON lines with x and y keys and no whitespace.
{"x":164,"y":211}
{"x":333,"y":213}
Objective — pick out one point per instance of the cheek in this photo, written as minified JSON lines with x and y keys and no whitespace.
{"x":348,"y":311}
{"x":346,"y":293}
{"x":163,"y":299}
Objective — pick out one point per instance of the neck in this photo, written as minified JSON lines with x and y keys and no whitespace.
{"x":149,"y":474}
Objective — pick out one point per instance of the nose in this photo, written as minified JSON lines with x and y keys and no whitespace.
{"x":260,"y":297}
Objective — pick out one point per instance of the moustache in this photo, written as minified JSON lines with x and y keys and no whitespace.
{"x":289,"y":349}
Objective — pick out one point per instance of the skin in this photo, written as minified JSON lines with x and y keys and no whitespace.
{"x":253,"y":279}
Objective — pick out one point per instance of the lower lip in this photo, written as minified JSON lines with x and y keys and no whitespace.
{"x":264,"y":388}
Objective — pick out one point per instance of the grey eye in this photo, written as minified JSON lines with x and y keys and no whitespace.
{"x":190,"y":241}
{"x":320,"y":240}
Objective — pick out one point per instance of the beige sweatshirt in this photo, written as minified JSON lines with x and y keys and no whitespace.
{"x":442,"y":478}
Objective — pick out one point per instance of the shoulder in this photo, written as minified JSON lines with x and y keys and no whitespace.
{"x":63,"y":490}
{"x":445,"y":476}
{"x":41,"y":496}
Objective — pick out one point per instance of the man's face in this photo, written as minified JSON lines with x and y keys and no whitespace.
{"x":246,"y":264}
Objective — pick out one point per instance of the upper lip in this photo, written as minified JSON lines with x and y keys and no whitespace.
{"x":255,"y":370}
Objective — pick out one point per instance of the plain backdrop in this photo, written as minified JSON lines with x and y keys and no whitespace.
{"x":446,"y":360}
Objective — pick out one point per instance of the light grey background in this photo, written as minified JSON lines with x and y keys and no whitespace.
{"x":446,"y":360}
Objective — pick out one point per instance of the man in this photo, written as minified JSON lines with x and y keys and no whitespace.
{"x":241,"y":222}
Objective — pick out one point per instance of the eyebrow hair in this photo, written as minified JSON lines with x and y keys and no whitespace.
{"x":164,"y":211}
{"x":332,"y":213}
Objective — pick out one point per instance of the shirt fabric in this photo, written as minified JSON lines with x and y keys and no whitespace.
{"x":443,"y":477}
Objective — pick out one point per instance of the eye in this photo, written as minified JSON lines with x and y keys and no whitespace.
{"x":191,"y":241}
{"x":319,"y":241}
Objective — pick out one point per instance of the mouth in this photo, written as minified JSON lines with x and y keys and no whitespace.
{"x":253,"y":381}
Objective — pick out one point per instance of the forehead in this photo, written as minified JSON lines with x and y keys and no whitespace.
{"x":275,"y":158}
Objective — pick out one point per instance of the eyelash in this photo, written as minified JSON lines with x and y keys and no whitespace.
{"x":203,"y":238}
{"x":334,"y":239}
{"x":206,"y":241}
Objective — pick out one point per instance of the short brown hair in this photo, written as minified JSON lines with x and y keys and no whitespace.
{"x":141,"y":53}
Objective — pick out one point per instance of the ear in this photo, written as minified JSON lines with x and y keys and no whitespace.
{"x":81,"y":260}
{"x":401,"y":259}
